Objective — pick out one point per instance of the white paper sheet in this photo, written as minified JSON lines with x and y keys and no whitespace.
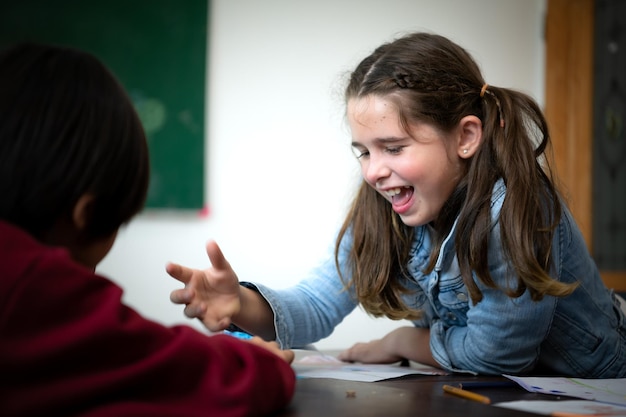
{"x":318,"y":365}
{"x":569,"y":406}
{"x":612,"y":391}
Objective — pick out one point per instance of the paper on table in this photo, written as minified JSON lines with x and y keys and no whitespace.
{"x":568,"y":406}
{"x":317,"y":365}
{"x":612,"y":391}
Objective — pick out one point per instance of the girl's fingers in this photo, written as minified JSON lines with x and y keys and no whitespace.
{"x":218,"y":261}
{"x":179,"y":272}
{"x":182,"y":296}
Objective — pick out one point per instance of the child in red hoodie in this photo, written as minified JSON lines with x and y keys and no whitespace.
{"x":73,"y":169}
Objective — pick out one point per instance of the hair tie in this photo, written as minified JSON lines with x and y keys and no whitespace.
{"x":482,"y":90}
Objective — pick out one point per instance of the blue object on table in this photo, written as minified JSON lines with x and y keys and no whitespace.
{"x":238,"y":335}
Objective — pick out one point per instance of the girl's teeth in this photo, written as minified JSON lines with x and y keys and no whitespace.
{"x":393,"y":191}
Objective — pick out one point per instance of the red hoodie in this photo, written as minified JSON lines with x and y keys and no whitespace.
{"x":69,"y":346}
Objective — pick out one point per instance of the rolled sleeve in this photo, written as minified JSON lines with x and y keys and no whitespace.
{"x":310,"y":310}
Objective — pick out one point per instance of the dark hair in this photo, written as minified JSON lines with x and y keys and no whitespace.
{"x":431,"y":79}
{"x":67,"y":128}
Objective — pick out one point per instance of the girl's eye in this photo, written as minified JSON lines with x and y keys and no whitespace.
{"x":360,"y":153}
{"x":394,"y":150}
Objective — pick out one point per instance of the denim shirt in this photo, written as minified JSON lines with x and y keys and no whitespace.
{"x":581,"y":335}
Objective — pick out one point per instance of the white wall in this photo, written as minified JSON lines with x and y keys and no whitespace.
{"x":279,"y":167}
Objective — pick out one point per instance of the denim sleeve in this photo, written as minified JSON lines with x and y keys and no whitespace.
{"x":310,"y":310}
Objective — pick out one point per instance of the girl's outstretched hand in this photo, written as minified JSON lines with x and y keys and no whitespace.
{"x":211,"y":295}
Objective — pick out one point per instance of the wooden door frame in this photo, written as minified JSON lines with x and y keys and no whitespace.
{"x":569,"y":36}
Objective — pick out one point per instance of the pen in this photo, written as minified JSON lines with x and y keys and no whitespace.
{"x":487,"y":384}
{"x":466,"y":394}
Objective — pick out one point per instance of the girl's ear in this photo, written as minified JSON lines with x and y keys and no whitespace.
{"x":81,"y":215}
{"x":471,"y":136}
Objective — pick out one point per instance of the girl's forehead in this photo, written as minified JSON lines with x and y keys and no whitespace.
{"x":373,"y":119}
{"x":371,"y":109}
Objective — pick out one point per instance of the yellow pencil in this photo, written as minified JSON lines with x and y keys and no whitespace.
{"x":467,"y":394}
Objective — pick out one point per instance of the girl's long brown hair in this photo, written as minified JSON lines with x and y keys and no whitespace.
{"x":433,"y":80}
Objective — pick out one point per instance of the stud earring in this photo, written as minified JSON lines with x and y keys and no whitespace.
{"x":465,"y":151}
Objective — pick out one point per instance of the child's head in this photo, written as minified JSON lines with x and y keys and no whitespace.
{"x":414,"y":108}
{"x":434,"y":140}
{"x":74,"y":160}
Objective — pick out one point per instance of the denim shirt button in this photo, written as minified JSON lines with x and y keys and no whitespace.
{"x":461,"y":296}
{"x":451,"y":316}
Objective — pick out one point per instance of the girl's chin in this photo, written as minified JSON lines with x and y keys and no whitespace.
{"x":415,"y":220}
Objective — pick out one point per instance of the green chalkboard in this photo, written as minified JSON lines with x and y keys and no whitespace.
{"x":157,"y":49}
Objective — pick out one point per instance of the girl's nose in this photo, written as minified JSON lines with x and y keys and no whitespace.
{"x":374,"y":170}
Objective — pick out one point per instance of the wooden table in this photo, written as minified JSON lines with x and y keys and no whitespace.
{"x":414,"y":396}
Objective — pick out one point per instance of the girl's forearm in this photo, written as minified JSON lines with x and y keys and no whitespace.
{"x":412,"y":343}
{"x":256,"y":315}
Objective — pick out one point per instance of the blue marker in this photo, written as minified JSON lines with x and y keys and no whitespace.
{"x":238,"y":335}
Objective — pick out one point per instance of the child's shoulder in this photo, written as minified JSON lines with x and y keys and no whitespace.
{"x":26,"y":262}
{"x":17,"y":249}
